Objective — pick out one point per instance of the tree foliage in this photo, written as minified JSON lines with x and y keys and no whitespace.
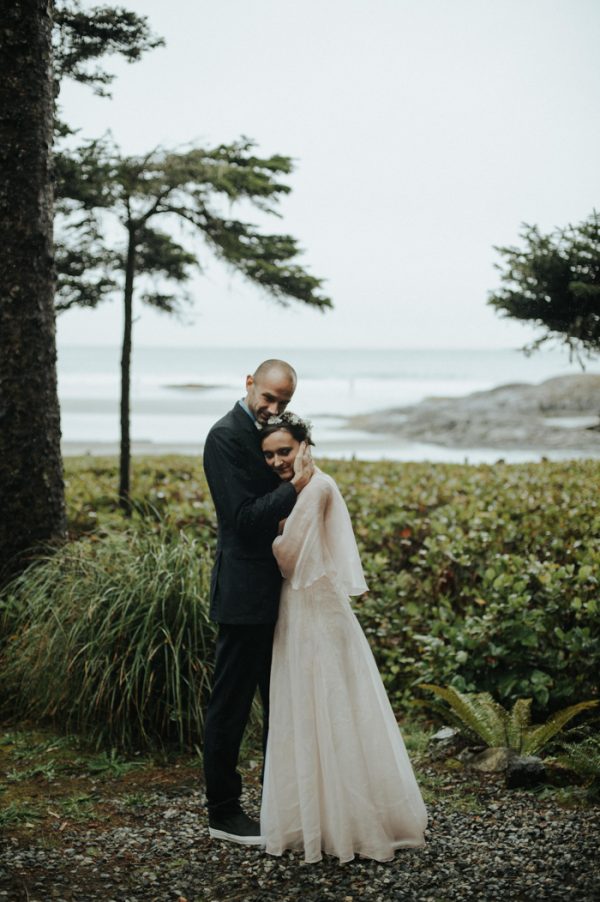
{"x":188,"y":190}
{"x":81,"y":38}
{"x":81,"y":41}
{"x":553,"y":281}
{"x":188,"y":187}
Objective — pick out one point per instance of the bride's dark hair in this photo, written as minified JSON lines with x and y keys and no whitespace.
{"x":292,"y":423}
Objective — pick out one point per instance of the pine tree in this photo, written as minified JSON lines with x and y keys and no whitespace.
{"x":31,"y":483}
{"x":174,"y":188}
{"x":554,"y":282}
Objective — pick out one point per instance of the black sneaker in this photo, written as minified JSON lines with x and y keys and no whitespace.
{"x":235,"y":827}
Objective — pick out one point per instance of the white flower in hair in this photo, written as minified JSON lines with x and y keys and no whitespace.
{"x":290,"y":419}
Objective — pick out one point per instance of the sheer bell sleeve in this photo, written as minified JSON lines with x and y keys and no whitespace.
{"x":318,"y":540}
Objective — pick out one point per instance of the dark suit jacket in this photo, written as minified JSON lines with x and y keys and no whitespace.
{"x":250,"y":500}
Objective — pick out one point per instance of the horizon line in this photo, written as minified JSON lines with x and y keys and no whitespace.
{"x":319,"y":348}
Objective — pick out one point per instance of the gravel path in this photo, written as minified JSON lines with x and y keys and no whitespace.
{"x":510,"y":846}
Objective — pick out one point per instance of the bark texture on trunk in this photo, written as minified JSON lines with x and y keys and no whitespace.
{"x":31,"y":483}
{"x":125,"y":460}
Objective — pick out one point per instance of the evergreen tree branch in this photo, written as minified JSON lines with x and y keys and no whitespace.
{"x":82,"y":37}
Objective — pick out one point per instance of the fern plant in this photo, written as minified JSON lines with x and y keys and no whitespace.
{"x":497,"y":727}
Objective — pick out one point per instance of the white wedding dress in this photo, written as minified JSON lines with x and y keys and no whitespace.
{"x":337,"y":775}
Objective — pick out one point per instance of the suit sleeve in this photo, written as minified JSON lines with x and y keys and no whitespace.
{"x":231,"y":486}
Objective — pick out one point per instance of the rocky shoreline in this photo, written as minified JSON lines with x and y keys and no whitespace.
{"x":562,"y":413}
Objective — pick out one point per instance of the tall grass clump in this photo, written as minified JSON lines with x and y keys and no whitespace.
{"x":111,"y":637}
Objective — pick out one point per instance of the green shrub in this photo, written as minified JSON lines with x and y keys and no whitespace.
{"x":484,"y":578}
{"x":111,"y":636}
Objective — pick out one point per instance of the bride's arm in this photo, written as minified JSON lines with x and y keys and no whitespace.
{"x":300,"y":538}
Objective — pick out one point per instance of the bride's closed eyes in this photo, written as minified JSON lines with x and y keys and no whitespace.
{"x":280,"y":450}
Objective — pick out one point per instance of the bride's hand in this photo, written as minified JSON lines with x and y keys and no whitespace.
{"x":303,"y":467}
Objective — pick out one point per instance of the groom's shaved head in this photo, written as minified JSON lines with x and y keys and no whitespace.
{"x":270,"y":389}
{"x":274,"y":367}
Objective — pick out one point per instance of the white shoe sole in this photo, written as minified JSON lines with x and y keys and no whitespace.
{"x":235,"y":837}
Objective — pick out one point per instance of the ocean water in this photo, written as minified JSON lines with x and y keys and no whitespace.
{"x":177,"y":393}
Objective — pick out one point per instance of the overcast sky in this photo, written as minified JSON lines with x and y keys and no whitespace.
{"x":423,"y":131}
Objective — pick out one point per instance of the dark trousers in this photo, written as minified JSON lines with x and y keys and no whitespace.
{"x":242,"y":664}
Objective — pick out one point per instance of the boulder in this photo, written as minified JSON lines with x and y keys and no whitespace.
{"x":488,"y":761}
{"x":446,"y":742}
{"x":525,"y":772}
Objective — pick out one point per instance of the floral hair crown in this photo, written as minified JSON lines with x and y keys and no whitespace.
{"x":287,"y":418}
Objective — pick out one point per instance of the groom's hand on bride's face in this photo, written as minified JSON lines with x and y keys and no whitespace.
{"x":303,"y":467}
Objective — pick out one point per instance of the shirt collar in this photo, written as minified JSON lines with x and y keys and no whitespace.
{"x":245,"y":408}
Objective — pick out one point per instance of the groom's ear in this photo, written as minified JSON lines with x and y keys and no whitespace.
{"x":249,"y":382}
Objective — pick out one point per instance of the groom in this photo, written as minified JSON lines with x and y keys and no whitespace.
{"x":250,"y":501}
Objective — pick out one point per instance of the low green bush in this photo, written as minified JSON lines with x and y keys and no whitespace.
{"x":111,"y":637}
{"x":483,"y":578}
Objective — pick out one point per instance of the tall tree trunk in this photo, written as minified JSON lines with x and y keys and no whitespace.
{"x":32,"y":508}
{"x":125,"y":462}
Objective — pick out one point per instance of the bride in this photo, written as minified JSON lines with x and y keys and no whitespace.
{"x":337,"y":776}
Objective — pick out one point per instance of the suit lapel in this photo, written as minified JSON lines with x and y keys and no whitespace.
{"x":246,"y":429}
{"x":250,"y":437}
